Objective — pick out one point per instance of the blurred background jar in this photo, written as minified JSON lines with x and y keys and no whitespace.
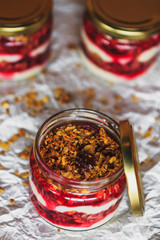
{"x":25,"y":37}
{"x":120,"y":39}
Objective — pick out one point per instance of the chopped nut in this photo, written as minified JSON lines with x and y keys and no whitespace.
{"x":1,"y":190}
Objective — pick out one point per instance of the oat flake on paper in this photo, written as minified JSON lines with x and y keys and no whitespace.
{"x":21,"y":117}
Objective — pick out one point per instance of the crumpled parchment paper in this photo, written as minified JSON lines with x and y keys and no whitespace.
{"x":25,"y":105}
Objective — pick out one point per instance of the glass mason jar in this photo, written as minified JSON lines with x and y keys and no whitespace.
{"x":120,"y":41}
{"x":68,"y":203}
{"x":25,"y":37}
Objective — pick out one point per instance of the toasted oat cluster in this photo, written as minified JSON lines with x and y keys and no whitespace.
{"x":81,"y":151}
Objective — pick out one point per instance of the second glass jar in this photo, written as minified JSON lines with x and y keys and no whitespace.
{"x":117,"y":44}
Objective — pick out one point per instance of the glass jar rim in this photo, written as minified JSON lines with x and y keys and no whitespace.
{"x":105,"y":119}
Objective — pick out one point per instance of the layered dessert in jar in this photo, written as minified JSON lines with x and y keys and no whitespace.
{"x":76,"y":170}
{"x":25,"y":38}
{"x":116,"y":43}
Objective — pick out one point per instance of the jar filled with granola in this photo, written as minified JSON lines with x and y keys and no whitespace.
{"x":120,"y":39}
{"x":25,"y":37}
{"x":78,"y":169}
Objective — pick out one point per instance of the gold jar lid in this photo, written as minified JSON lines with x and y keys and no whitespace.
{"x":133,"y":20}
{"x":132,"y":168}
{"x":23,"y":16}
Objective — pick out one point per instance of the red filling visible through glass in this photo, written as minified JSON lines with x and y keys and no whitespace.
{"x":119,"y":51}
{"x":54,"y":197}
{"x":22,"y":46}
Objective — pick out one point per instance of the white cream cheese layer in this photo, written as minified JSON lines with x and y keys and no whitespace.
{"x":88,"y":209}
{"x":100,"y":72}
{"x":36,"y":193}
{"x":83,"y":209}
{"x":95,"y":225}
{"x":148,"y":54}
{"x":11,"y":58}
{"x":39,"y":50}
{"x":93,"y":48}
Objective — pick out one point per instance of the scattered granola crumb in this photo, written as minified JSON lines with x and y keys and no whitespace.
{"x":27,"y":135}
{"x":90,"y":95}
{"x":148,"y":159}
{"x":32,"y":88}
{"x":16,"y":173}
{"x":58,"y":230}
{"x":118,"y":109}
{"x":25,"y":184}
{"x":2,"y":152}
{"x":62,"y":96}
{"x":1,"y":167}
{"x":24,"y":175}
{"x":81,"y":151}
{"x":25,"y":154}
{"x":5,"y":104}
{"x":135,"y":99}
{"x":1,"y":190}
{"x":4,"y":145}
{"x":118,"y":98}
{"x":148,"y":133}
{"x":12,"y":201}
{"x":17,"y":99}
{"x":79,"y":65}
{"x":71,"y":46}
{"x":156,"y":120}
{"x":104,"y":101}
{"x":155,"y":139}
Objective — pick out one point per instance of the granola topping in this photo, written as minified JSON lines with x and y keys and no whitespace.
{"x":81,"y":151}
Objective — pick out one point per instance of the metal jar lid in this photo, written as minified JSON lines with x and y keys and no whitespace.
{"x":133,"y":20}
{"x":23,"y":16}
{"x":132,"y":168}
